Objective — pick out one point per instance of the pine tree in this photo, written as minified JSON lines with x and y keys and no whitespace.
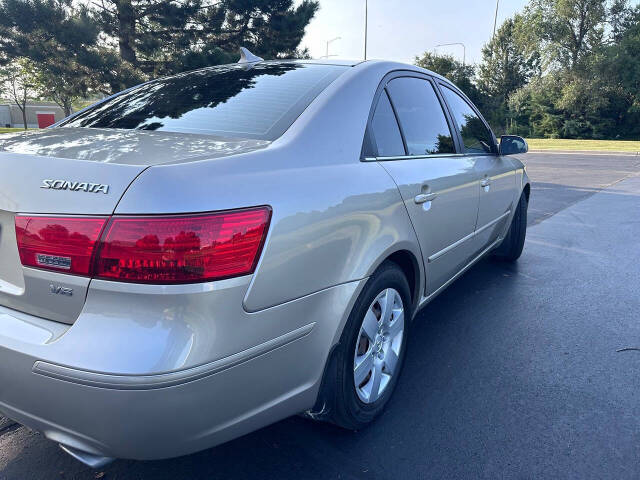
{"x":506,"y":66}
{"x":159,"y":38}
{"x":62,"y":39}
{"x":620,"y":17}
{"x":108,"y":45}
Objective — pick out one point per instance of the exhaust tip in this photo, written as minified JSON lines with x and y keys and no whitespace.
{"x":89,"y":459}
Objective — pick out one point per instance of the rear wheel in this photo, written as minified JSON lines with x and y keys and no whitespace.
{"x":511,"y":247}
{"x":370,"y":355}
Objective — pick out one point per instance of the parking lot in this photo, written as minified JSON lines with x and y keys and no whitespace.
{"x":521,"y":371}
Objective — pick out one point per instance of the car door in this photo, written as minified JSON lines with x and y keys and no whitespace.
{"x":496,"y":173}
{"x":414,"y":142}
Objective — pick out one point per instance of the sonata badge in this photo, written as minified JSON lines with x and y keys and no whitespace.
{"x":75,"y":186}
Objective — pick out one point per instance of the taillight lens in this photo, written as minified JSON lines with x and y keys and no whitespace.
{"x":182,"y":249}
{"x":160,"y":250}
{"x":64,"y":244}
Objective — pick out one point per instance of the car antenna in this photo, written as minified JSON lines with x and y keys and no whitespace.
{"x":247,"y":57}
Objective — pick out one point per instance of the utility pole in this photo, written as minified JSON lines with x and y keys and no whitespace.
{"x":366,"y":21}
{"x":495,"y":20}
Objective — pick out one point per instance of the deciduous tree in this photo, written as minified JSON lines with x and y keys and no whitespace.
{"x":452,"y":69}
{"x":566,"y":30}
{"x":17,"y":82}
{"x":506,"y":66}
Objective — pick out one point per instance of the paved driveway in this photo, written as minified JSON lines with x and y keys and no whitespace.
{"x":521,"y":371}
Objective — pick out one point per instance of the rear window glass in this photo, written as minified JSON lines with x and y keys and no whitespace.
{"x":420,"y":113}
{"x":259,"y":102}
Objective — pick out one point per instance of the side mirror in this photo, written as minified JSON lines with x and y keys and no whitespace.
{"x":512,"y":145}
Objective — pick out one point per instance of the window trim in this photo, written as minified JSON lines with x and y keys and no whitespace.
{"x":369,"y":135}
{"x":395,"y":114}
{"x":411,"y":157}
{"x":460,"y":93}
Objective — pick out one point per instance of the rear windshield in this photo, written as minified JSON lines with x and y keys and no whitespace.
{"x":259,"y":101}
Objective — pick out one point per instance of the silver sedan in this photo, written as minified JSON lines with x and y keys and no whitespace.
{"x":205,"y":254}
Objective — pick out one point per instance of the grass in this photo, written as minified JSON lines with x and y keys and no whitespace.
{"x":586,"y":145}
{"x":11,"y":130}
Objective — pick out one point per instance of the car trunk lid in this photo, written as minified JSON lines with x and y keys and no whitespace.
{"x":140,"y":148}
{"x":77,"y":171}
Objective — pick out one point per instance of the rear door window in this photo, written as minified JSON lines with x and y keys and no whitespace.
{"x":476,"y":137}
{"x":421,"y":116}
{"x":385,"y":129}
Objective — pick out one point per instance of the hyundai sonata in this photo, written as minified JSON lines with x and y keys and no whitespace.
{"x":205,"y":254}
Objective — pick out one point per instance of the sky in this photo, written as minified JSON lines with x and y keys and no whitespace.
{"x":401,"y":29}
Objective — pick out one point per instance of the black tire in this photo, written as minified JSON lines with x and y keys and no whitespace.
{"x":511,"y":247}
{"x":338,"y":400}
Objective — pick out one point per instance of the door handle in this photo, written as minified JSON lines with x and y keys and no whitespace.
{"x":425,"y":197}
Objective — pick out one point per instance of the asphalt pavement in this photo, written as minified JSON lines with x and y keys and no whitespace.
{"x":529,"y":370}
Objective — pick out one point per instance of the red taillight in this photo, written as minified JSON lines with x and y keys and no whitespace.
{"x":161,"y":250}
{"x":64,"y":244}
{"x":182,"y":249}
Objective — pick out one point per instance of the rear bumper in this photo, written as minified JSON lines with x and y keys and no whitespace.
{"x":148,"y":423}
{"x":138,"y":407}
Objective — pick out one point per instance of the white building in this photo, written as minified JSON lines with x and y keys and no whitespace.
{"x":39,"y":115}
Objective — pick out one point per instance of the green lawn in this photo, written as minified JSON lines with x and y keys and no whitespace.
{"x":587,"y":145}
{"x":11,"y":130}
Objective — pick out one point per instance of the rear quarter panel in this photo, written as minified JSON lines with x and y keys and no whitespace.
{"x":335,"y":219}
{"x":522,"y":179}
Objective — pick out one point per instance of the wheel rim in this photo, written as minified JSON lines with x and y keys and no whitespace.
{"x":377,"y":349}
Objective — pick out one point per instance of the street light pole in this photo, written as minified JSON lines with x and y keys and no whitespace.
{"x":464,"y":50}
{"x":366,"y":22}
{"x":495,"y":20}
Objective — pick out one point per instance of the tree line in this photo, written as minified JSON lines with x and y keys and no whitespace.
{"x":559,"y":69}
{"x":67,"y":50}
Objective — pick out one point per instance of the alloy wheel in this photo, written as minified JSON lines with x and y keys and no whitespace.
{"x":377,"y":349}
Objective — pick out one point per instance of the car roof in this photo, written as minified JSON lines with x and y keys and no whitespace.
{"x":394,"y":66}
{"x":391,"y":65}
{"x":388,"y":64}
